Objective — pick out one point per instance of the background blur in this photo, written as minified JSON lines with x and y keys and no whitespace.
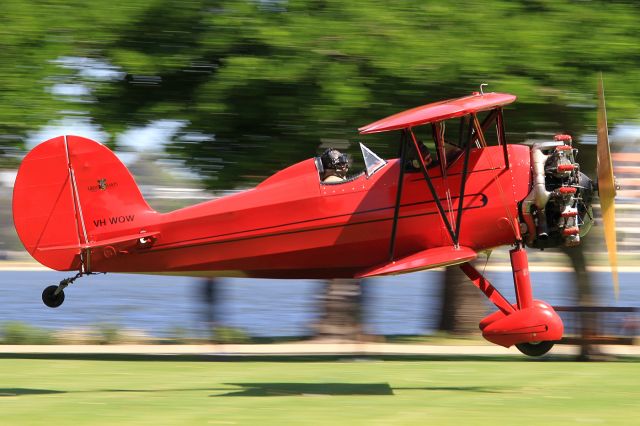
{"x":203,"y":97}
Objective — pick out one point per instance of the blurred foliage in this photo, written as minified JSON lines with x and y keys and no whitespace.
{"x":108,"y":334}
{"x":265,"y":83}
{"x":8,"y":237}
{"x":229,"y":335}
{"x":18,"y":333}
{"x":177,"y":335}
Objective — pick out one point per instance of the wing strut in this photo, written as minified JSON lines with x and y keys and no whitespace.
{"x":454,"y":233}
{"x":396,"y":211}
{"x":427,"y":178}
{"x":463,"y":183}
{"x":502,"y":137}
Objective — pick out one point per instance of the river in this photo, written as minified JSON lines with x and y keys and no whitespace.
{"x":158,"y":305}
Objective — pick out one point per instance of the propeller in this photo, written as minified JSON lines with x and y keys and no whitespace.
{"x":607,"y":187}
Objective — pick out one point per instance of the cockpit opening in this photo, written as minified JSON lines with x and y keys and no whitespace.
{"x":334,"y":167}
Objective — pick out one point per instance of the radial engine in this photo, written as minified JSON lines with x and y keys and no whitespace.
{"x":557,"y":211}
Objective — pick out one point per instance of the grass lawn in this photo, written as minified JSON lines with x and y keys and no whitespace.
{"x":458,"y":391}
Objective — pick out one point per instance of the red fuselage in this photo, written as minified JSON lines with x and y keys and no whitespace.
{"x":292,"y":226}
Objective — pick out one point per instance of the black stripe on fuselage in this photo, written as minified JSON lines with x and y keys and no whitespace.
{"x":193,"y":243}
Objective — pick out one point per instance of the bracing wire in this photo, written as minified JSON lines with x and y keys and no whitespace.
{"x":502,"y":193}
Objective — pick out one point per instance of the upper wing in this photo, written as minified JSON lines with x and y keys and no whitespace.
{"x":439,"y":111}
{"x":425,"y":259}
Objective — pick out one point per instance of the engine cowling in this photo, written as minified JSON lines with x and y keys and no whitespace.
{"x":557,"y":211}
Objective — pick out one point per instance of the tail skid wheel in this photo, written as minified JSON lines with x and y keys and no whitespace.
{"x":535,"y":349}
{"x":50,"y":298}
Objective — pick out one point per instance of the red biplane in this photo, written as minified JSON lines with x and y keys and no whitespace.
{"x":77,"y":208}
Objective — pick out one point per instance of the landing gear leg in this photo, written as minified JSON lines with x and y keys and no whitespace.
{"x":531,"y":325}
{"x":53,"y":296}
{"x":522,"y":282}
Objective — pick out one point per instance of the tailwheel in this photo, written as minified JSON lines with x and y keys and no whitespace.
{"x":535,"y":348}
{"x":52,"y":297}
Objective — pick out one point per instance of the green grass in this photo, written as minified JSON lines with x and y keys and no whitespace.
{"x":50,"y":390}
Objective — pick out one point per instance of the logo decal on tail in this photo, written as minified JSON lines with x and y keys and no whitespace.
{"x":102,"y":185}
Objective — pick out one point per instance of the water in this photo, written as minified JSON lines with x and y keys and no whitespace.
{"x":407,"y":304}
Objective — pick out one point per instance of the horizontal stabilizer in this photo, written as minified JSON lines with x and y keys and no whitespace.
{"x":426,"y":259}
{"x":109,"y":242}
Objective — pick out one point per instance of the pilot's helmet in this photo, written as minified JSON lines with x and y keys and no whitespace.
{"x":332,"y":159}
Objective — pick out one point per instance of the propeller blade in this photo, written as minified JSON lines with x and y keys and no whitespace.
{"x":607,"y":187}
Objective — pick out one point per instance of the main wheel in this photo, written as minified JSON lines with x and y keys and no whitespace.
{"x":535,"y":348}
{"x":50,"y":298}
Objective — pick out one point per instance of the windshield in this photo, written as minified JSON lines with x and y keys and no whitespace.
{"x":372,"y":162}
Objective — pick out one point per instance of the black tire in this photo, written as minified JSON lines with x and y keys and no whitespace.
{"x":51,"y":299}
{"x":535,"y":349}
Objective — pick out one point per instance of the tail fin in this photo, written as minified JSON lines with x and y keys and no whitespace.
{"x":71,"y":192}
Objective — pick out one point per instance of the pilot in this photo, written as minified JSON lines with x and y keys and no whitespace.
{"x":335,"y":164}
{"x":414,"y":163}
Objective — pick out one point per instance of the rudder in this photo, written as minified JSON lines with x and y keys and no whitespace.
{"x":70,"y":192}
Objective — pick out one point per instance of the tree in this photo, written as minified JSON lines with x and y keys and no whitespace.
{"x":462,"y":304}
{"x":263,"y":84}
{"x":34,"y":83}
{"x":342,"y":310}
